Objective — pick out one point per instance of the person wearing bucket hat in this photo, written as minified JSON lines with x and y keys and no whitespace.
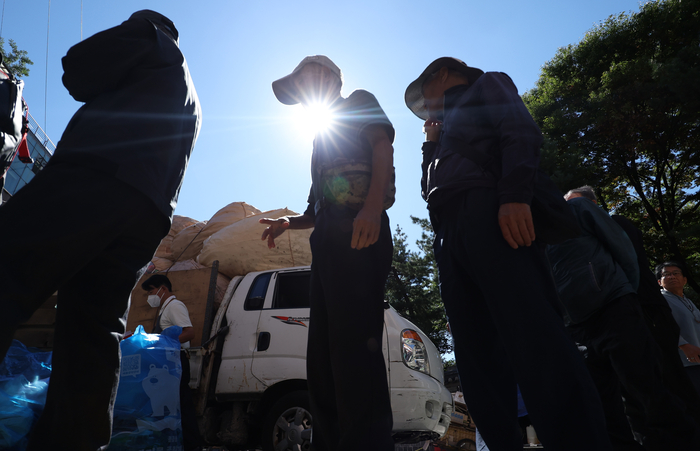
{"x":495,"y":284}
{"x":352,"y":186}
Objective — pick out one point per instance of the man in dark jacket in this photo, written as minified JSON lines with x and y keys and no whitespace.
{"x":495,"y":285}
{"x":96,"y":215}
{"x":597,"y":276}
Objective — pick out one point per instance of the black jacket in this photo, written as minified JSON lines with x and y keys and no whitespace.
{"x":489,"y":117}
{"x":596,"y":268}
{"x":141,"y":115}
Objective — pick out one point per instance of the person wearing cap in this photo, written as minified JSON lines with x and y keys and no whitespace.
{"x":496,"y":287}
{"x":96,"y":214}
{"x":352,"y":251}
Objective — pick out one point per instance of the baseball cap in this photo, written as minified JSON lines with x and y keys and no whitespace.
{"x":414,"y":93}
{"x":284,"y":88}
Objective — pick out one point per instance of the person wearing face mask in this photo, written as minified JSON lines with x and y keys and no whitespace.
{"x":172,"y":312}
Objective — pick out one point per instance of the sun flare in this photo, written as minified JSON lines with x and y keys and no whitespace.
{"x":313,"y":119}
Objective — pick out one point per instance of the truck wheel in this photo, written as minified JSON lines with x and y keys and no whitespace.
{"x":287,"y":426}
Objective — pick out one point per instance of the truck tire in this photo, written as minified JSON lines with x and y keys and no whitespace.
{"x":287,"y":425}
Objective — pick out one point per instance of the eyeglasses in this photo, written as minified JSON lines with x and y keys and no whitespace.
{"x":674,"y":274}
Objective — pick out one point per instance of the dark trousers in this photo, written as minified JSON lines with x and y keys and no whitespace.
{"x":693,"y":373}
{"x":191,"y":437}
{"x":622,"y":353}
{"x":502,"y":310}
{"x":345,"y":366}
{"x":88,"y":236}
{"x":665,"y":331}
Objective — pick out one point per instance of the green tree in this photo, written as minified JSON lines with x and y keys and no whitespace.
{"x":15,"y":60}
{"x":412,"y":286}
{"x":620,"y":111}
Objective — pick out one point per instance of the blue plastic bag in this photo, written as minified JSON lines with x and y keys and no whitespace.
{"x":24,"y":377}
{"x":147,"y":408}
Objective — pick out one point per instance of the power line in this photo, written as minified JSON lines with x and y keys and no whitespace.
{"x":46,"y":81}
{"x":2,"y":21}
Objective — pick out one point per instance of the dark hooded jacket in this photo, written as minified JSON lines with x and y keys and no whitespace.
{"x":596,"y":268}
{"x":491,"y":118}
{"x":141,"y":115}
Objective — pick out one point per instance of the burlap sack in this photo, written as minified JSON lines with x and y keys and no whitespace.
{"x":185,"y":265}
{"x":179,"y":223}
{"x":188,"y":242}
{"x":240,"y":250}
{"x":161,"y":264}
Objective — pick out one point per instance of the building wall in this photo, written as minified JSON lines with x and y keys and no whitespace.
{"x":41,"y":148}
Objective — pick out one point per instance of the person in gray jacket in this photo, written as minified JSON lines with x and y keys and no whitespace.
{"x":597,"y":276}
{"x":671,"y":276}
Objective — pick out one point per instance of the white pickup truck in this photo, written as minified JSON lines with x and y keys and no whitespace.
{"x":250,"y":375}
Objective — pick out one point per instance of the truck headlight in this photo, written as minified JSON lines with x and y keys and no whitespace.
{"x":414,"y":354}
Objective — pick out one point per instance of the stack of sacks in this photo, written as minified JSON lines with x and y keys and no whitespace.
{"x":185,"y":265}
{"x":165,"y":248}
{"x":240,"y":249}
{"x":187,"y":244}
{"x":160,"y":265}
{"x":164,"y":265}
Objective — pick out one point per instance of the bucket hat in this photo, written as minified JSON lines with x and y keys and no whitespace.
{"x":414,"y":93}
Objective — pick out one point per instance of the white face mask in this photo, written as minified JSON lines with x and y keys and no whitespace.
{"x":154,"y":300}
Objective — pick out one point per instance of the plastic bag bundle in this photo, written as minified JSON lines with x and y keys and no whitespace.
{"x":147,"y":408}
{"x":24,"y":377}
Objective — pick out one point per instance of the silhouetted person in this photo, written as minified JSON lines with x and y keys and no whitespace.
{"x":495,"y":284}
{"x":351,"y":250}
{"x":96,"y":214}
{"x":597,"y":276}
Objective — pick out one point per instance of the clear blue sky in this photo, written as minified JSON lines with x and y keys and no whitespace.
{"x":250,"y":147}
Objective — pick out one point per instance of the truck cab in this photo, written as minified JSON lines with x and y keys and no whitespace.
{"x":250,"y":375}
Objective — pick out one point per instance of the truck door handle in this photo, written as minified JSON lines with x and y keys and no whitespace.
{"x":263,"y":341}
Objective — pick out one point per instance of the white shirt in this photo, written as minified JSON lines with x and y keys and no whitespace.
{"x":174,"y":313}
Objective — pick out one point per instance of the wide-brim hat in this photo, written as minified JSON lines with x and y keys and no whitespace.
{"x":284,"y":88}
{"x":414,"y":93}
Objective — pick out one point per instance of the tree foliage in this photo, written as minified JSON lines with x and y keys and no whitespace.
{"x":620,"y":111}
{"x":412,"y":287}
{"x":15,"y":60}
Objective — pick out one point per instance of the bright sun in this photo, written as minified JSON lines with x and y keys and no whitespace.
{"x":312,"y":119}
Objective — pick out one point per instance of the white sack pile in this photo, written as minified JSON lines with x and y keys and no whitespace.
{"x":184,"y":246}
{"x":165,"y":248}
{"x":188,"y":243}
{"x":240,"y":250}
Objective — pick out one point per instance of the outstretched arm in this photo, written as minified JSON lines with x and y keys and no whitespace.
{"x":278,"y":226}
